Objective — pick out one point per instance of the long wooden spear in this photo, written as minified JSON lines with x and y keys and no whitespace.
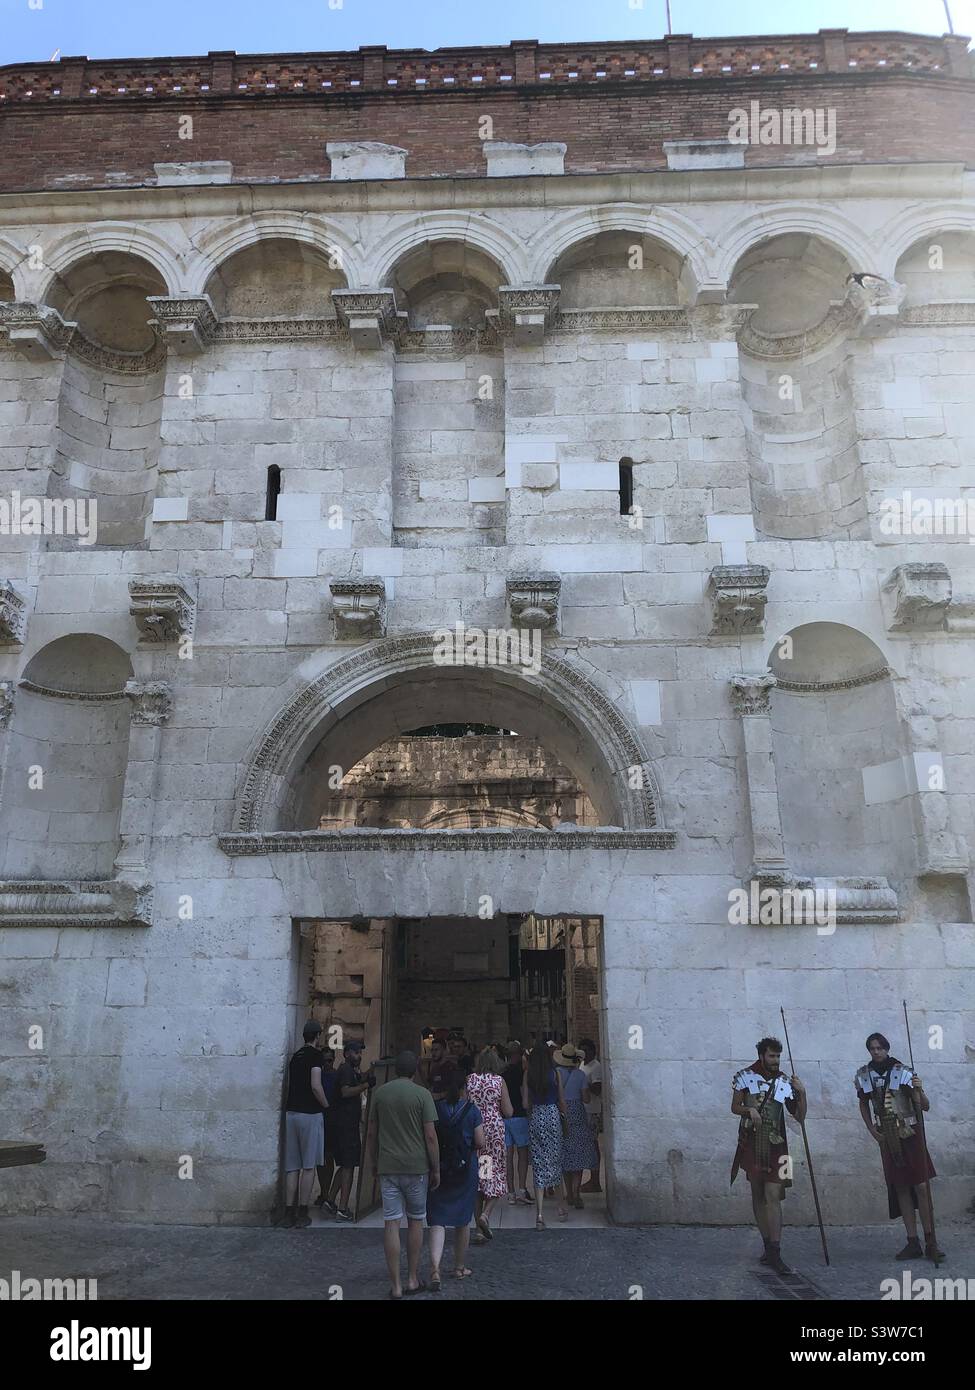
{"x":805,"y":1141}
{"x":924,"y":1138}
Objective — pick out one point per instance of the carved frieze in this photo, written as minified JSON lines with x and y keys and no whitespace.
{"x":918,"y":596}
{"x":42,"y":903}
{"x":163,"y":607}
{"x":533,"y":600}
{"x":358,"y":608}
{"x":737,"y":596}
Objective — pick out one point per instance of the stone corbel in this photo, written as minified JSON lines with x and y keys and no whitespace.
{"x":152,"y":702}
{"x":369,"y":315}
{"x":188,"y":323}
{"x":878,"y":302}
{"x":738,"y":599}
{"x":712,"y":321}
{"x":6,"y":703}
{"x":525,"y":311}
{"x":533,"y":601}
{"x":13,"y":614}
{"x":37,"y":331}
{"x":163,"y":608}
{"x":358,"y":608}
{"x":918,"y":597}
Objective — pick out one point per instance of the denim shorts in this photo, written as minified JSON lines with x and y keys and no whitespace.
{"x":404,"y":1190}
{"x":516,"y":1132}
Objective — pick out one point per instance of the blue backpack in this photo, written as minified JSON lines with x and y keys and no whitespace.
{"x":455,"y":1152}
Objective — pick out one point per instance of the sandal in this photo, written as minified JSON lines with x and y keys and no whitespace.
{"x":463,"y":1273}
{"x":482,"y":1225}
{"x":420,"y":1288}
{"x":436,"y":1284}
{"x":563,"y":1214}
{"x":539,"y":1224}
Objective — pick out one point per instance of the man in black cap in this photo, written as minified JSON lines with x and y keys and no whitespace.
{"x":349,"y":1086}
{"x":304,"y":1127}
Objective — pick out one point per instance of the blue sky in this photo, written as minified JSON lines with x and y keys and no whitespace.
{"x":31,"y":30}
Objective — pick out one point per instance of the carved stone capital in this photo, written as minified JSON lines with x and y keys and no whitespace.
{"x":152,"y":702}
{"x":526,"y":311}
{"x":918,"y":595}
{"x":37,"y":331}
{"x":13,"y":613}
{"x":752,"y":694}
{"x":6,"y":703}
{"x":533,"y":600}
{"x":369,"y":315}
{"x":187,"y":322}
{"x":738,"y":599}
{"x":163,"y":608}
{"x":358,"y":608}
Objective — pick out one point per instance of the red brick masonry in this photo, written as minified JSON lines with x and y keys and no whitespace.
{"x":898,"y":98}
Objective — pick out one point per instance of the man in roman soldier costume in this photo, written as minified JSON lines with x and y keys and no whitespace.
{"x":891,"y":1098}
{"x":761,"y":1096}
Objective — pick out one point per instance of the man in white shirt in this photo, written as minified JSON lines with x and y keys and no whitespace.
{"x":593,"y":1068}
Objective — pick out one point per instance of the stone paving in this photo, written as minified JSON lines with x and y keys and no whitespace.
{"x":664,"y":1262}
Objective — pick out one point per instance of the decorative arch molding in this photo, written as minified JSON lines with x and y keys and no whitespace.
{"x":292,"y":735}
{"x":917,"y":223}
{"x":672,"y":229}
{"x":123,"y":237}
{"x":11,"y":257}
{"x":812,"y":219}
{"x":222,"y":240}
{"x":475,"y":230}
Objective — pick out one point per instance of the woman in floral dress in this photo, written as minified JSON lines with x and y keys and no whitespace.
{"x":545,"y":1103}
{"x":486,"y":1088}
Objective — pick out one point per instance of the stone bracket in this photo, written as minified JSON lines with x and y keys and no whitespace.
{"x":6,"y":703}
{"x":13,"y":614}
{"x":525,"y":312}
{"x":37,"y":331}
{"x":152,"y":702}
{"x":738,"y":599}
{"x":358,"y":608}
{"x":533,"y":600}
{"x":163,"y":607}
{"x":369,"y":315}
{"x":188,"y":323}
{"x":918,"y":597}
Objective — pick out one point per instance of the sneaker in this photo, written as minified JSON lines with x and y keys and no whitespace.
{"x":912,"y":1250}
{"x":302,"y":1218}
{"x":341,"y":1215}
{"x":330,"y":1206}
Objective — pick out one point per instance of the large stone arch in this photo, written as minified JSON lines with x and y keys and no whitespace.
{"x":915,"y":223}
{"x":475,"y":230}
{"x":563,"y":708}
{"x":224,"y":239}
{"x":672,"y":229}
{"x":811,"y":219}
{"x":91,"y":241}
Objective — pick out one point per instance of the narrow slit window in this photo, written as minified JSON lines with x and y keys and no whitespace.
{"x":273,"y":493}
{"x":626,"y":486}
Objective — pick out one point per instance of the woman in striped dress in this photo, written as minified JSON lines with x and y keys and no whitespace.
{"x":545,"y":1103}
{"x":487,"y":1089}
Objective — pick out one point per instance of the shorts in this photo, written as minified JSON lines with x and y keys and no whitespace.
{"x":516,"y":1132}
{"x":404,"y":1190}
{"x":304,"y":1141}
{"x":346,"y":1145}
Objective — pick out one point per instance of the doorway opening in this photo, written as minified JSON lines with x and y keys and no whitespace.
{"x":391,"y":983}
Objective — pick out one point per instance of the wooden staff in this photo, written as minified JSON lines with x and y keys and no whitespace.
{"x":924,"y":1138}
{"x":805,"y":1141}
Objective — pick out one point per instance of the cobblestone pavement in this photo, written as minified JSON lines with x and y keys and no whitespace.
{"x":664,"y":1262}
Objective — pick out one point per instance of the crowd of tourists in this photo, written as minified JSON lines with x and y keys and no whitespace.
{"x":454,"y":1133}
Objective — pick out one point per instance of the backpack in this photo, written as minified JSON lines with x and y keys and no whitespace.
{"x":455,"y":1155}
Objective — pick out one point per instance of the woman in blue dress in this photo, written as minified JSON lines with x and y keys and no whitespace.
{"x":461,"y":1131}
{"x":579,"y":1151}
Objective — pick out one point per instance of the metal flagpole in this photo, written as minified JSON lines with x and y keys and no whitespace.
{"x":805,"y":1141}
{"x":924,"y":1138}
{"x":951,"y":27}
{"x":670,"y":27}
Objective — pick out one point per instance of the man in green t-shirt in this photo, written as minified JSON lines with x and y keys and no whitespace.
{"x":405,"y":1154}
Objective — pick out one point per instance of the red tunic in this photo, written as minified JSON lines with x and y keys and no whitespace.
{"x":757,"y":1080}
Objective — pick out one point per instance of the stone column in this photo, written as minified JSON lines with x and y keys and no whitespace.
{"x":939,"y":850}
{"x":152,"y":703}
{"x":751,"y":697}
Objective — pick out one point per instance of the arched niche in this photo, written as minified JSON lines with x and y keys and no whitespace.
{"x":939,"y":268}
{"x":276,"y":277}
{"x":620,"y":269}
{"x":793,"y":278}
{"x":66,"y":761}
{"x":447,"y":282}
{"x":105,"y":294}
{"x":838,"y":746}
{"x":393,"y":687}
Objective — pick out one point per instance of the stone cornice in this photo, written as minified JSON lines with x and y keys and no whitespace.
{"x":77,"y":903}
{"x":411,"y":841}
